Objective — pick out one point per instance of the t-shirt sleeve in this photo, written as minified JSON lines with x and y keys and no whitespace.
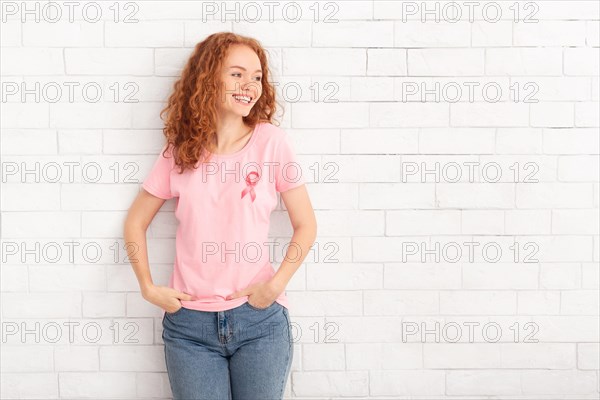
{"x":288,"y":170}
{"x":158,"y":181}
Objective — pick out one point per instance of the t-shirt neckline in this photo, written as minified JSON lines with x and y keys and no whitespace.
{"x":243,"y":149}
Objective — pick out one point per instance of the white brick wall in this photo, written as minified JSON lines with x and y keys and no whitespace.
{"x":433,"y":277}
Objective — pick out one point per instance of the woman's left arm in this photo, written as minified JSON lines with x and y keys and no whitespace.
{"x":302,"y":217}
{"x":304,"y":223}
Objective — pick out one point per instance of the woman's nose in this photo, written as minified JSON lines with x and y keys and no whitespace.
{"x":250,"y":88}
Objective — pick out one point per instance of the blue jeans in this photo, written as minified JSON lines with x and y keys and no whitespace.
{"x":244,"y":353}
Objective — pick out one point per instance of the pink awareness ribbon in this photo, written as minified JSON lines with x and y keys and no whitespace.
{"x":250,"y":183}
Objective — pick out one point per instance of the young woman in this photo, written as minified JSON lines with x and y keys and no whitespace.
{"x":226,"y":326}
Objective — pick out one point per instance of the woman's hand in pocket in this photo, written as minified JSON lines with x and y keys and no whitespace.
{"x":165,"y":297}
{"x":262,"y":294}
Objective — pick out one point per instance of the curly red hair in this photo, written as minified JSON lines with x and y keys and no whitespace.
{"x":192,"y":106}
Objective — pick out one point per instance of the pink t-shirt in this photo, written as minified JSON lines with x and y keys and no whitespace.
{"x":223,"y":208}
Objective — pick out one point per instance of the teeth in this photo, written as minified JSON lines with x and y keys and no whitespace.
{"x":245,"y":99}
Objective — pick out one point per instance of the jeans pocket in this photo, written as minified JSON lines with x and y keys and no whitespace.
{"x":259,"y":309}
{"x":174,"y":313}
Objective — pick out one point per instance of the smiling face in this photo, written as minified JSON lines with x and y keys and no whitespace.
{"x":241,"y":79}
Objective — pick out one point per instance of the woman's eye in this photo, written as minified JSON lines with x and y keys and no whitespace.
{"x":259,"y":78}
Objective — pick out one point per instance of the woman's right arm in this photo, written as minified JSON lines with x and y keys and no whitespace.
{"x":140,"y":215}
